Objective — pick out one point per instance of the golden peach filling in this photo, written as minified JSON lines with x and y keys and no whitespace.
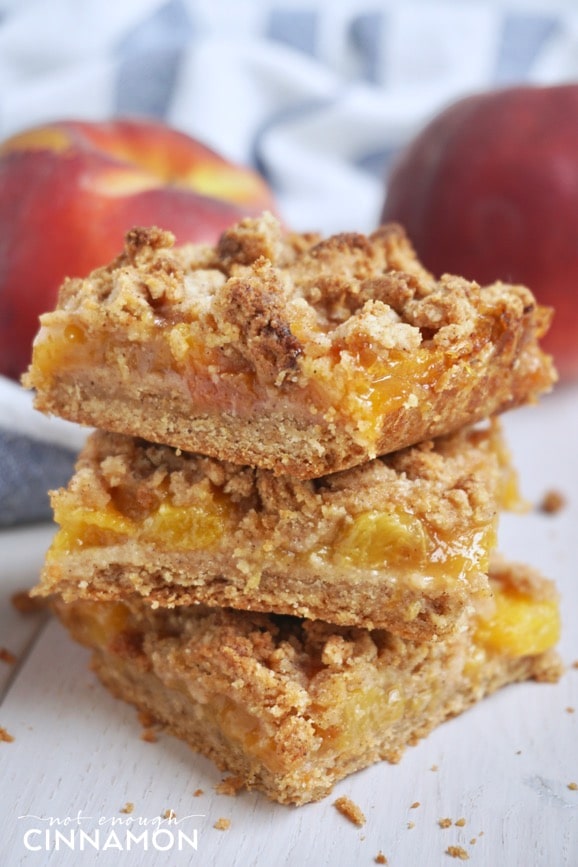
{"x":97,"y":624}
{"x":365,"y":387}
{"x":352,"y":718}
{"x":408,"y":544}
{"x":519,"y":624}
{"x":373,"y":540}
{"x":360,"y":387}
{"x":247,"y":729}
{"x":181,"y":527}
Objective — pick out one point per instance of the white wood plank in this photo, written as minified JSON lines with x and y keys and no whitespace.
{"x":22,"y":551}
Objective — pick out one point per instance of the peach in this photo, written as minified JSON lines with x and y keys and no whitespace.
{"x":70,"y":190}
{"x":489,"y":190}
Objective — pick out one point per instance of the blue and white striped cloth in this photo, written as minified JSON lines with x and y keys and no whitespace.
{"x":318,"y":96}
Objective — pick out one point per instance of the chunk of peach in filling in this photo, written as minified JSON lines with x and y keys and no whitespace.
{"x":403,"y":541}
{"x":187,"y":527}
{"x":519,"y":625}
{"x":349,"y":720}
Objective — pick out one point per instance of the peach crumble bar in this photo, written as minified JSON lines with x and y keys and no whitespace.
{"x":285,"y":351}
{"x":290,"y":706}
{"x":401,"y":542}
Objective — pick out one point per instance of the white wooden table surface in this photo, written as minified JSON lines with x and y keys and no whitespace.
{"x":504,"y":767}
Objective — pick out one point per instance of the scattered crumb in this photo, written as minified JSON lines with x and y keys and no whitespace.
{"x":410,"y":825}
{"x":151,"y":726}
{"x":460,"y":822}
{"x":146,"y":719}
{"x":5,"y":736}
{"x":570,"y":710}
{"x":414,"y":805}
{"x":457,"y":852}
{"x":197,"y":793}
{"x":222,"y":824}
{"x":445,"y":823}
{"x":128,"y":807}
{"x":573,"y":786}
{"x":7,"y":656}
{"x":552,"y":502}
{"x":229,"y":786}
{"x":169,"y":814}
{"x":575,"y":663}
{"x":380,"y":858}
{"x":25,"y":604}
{"x":350,"y":810}
{"x":473,"y":840}
{"x":434,"y":768}
{"x":518,"y":752}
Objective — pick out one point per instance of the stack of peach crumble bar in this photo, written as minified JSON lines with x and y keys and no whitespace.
{"x":280,"y":541}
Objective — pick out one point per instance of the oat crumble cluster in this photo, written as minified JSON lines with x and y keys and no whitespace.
{"x":280,"y":540}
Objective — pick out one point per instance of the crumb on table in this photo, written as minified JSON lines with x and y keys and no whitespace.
{"x":7,"y":656}
{"x":229,"y":786}
{"x":457,"y":852}
{"x":445,"y":823}
{"x":222,"y":824}
{"x":128,"y":807}
{"x":573,"y":786}
{"x":5,"y":736}
{"x":380,"y":858}
{"x":552,"y":502}
{"x":146,"y":719}
{"x":149,"y":735}
{"x":25,"y":604}
{"x":350,"y":810}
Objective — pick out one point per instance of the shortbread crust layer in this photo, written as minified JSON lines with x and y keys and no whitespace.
{"x":401,"y":542}
{"x":291,"y":706}
{"x":289,"y":352}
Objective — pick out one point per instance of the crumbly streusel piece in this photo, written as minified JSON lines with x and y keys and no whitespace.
{"x":291,"y":706}
{"x":288,"y":352}
{"x":401,"y":542}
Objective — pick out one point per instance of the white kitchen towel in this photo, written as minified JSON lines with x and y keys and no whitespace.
{"x":318,"y":96}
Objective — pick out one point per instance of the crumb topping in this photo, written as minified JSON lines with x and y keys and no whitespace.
{"x":271,"y":299}
{"x":452,"y":481}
